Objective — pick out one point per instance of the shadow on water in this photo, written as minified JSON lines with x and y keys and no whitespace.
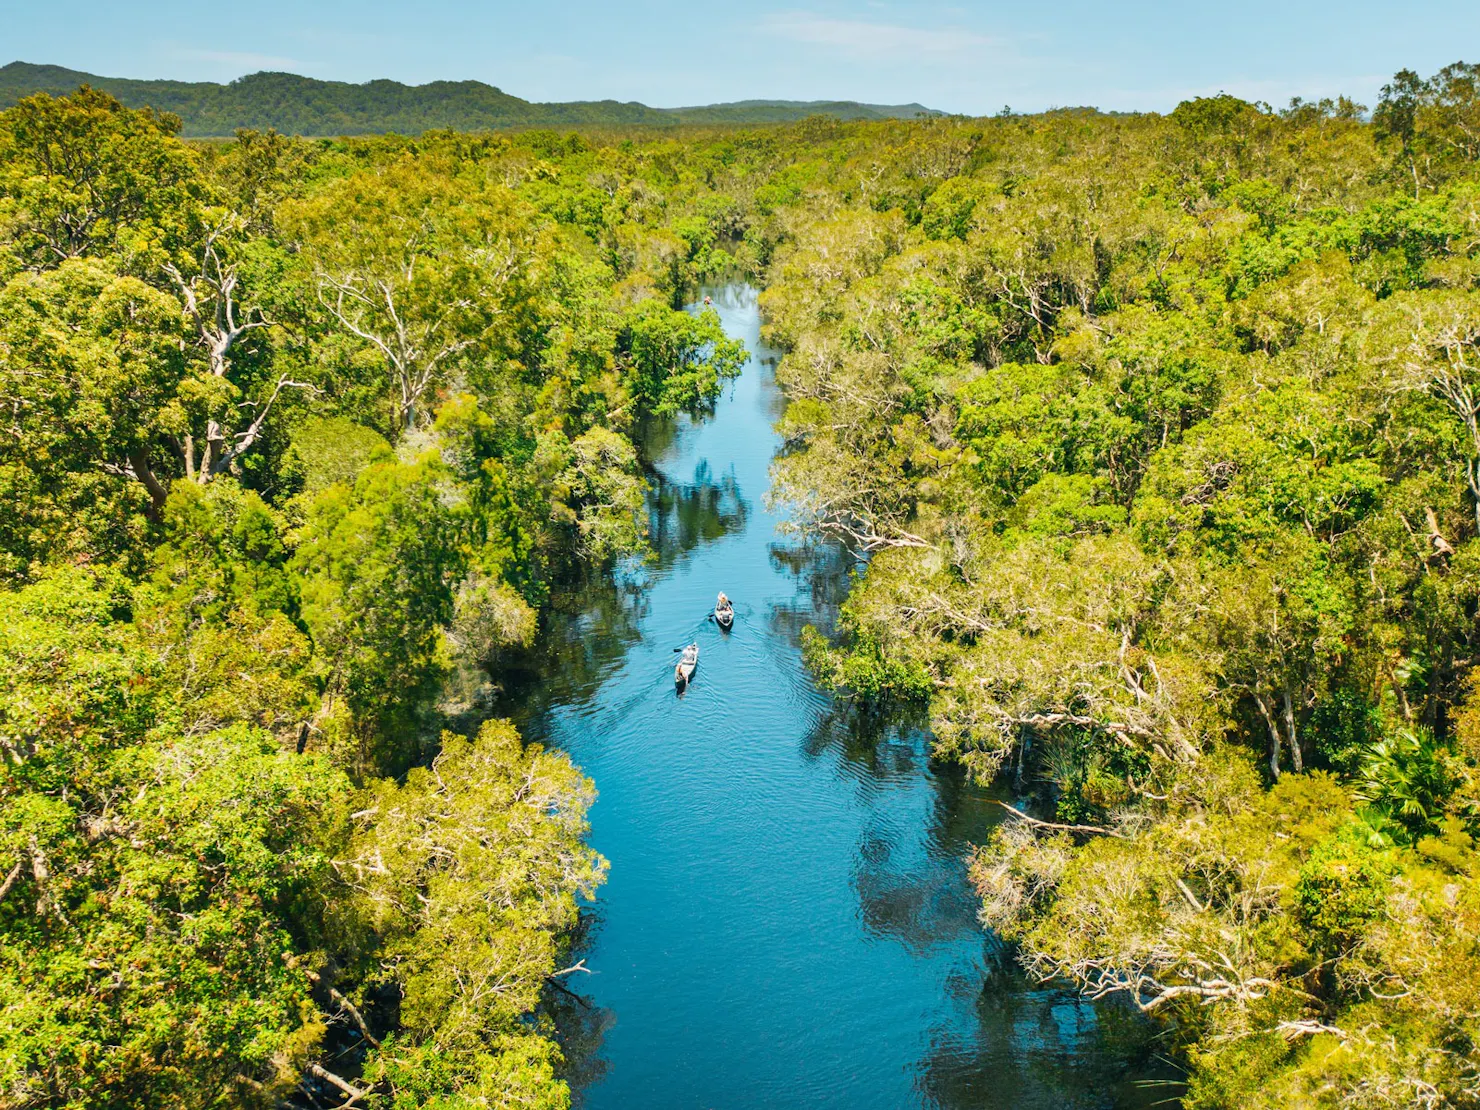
{"x":822,"y":574}
{"x":1028,"y":1047}
{"x":593,"y":621}
{"x":684,"y":515}
{"x":788,"y":920}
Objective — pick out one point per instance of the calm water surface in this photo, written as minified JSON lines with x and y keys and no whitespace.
{"x":787,"y":920}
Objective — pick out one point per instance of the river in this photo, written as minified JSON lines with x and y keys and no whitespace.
{"x":787,"y":921}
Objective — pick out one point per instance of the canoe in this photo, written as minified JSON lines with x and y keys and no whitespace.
{"x":686,"y":664}
{"x":724,"y":616}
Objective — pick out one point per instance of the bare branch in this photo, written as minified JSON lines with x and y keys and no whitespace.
{"x":349,"y":1007}
{"x":244,"y":440}
{"x":1095,"y":830}
{"x":320,"y":1072}
{"x":1294,"y":1030}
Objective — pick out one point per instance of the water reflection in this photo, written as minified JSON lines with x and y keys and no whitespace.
{"x":684,"y":515}
{"x":820,"y":574}
{"x":1031,"y":1047}
{"x":585,"y":637}
{"x":595,"y":619}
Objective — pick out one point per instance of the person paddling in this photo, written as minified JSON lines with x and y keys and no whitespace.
{"x":686,"y":664}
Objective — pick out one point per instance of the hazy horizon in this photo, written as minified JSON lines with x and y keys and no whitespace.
{"x":972,"y":58}
{"x":454,"y":80}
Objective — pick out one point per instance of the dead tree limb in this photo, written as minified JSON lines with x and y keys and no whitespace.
{"x":349,"y":1007}
{"x":319,"y":1072}
{"x":1095,"y":830}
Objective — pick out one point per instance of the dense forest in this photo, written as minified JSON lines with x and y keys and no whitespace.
{"x":305,"y":106}
{"x":296,"y":439}
{"x":1157,"y":439}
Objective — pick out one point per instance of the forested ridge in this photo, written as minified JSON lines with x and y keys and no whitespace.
{"x":1156,"y":437}
{"x":298,"y":105}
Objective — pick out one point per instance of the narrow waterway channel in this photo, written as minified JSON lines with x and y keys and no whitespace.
{"x":787,"y":921}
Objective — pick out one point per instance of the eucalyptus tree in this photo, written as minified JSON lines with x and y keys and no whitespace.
{"x":236,"y":387}
{"x":424,"y":269}
{"x":1431,"y":343}
{"x":83,"y":175}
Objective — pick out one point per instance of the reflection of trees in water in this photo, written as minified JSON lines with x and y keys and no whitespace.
{"x":1032,"y":1047}
{"x":766,"y":359}
{"x":874,"y":743}
{"x":590,"y":625}
{"x":683,"y":515}
{"x":822,"y":573}
{"x":1009,"y":1042}
{"x":921,"y":898}
{"x":656,"y":435}
{"x":911,"y":882}
{"x":580,"y":1024}
{"x":740,"y":296}
{"x":593,"y":620}
{"x":580,"y":1028}
{"x":922,"y":906}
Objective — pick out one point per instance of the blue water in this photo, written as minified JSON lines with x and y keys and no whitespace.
{"x":787,"y":920}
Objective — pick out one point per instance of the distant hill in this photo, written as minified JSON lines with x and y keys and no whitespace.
{"x":304,"y":106}
{"x":782,"y":111}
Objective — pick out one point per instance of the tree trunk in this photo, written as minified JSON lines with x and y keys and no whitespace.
{"x":1274,"y":735}
{"x":1290,"y":734}
{"x":158,"y":495}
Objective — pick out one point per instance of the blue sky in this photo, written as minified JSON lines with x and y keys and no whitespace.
{"x":966,"y":57}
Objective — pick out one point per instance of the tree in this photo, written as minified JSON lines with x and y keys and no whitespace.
{"x":599,"y":491}
{"x":470,"y":873}
{"x":676,"y":360}
{"x":1268,"y":626}
{"x":1453,"y":110}
{"x":155,"y":884}
{"x":417,"y":268}
{"x":378,"y":566}
{"x":1431,"y":343}
{"x":217,"y":612}
{"x":84,"y":175}
{"x":91,"y":366}
{"x":1409,"y":776}
{"x":1436,"y":120}
{"x":208,"y":283}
